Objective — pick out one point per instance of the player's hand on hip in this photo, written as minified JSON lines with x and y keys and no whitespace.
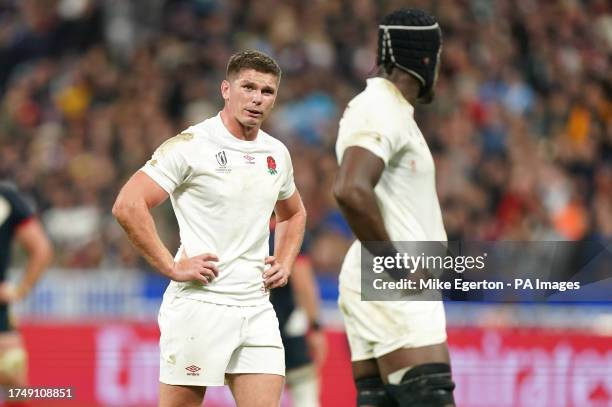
{"x":275,"y":276}
{"x":198,"y":268}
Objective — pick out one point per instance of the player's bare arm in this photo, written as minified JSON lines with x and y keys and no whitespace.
{"x":304,"y":288}
{"x":354,"y":190}
{"x":132,"y":210}
{"x":357,"y":177}
{"x":31,"y":236}
{"x":290,"y":225}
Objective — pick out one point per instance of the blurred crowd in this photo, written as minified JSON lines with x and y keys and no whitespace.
{"x":520,"y":129}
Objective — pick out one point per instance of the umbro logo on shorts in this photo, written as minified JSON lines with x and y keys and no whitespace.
{"x":193,"y":370}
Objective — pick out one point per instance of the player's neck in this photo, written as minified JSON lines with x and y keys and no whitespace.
{"x":236,"y":128}
{"x":405,"y":83}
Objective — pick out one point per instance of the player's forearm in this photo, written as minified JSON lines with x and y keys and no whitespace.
{"x":360,"y":208}
{"x":139,"y":226}
{"x":38,"y":260}
{"x":305,"y":290}
{"x":288,"y":237}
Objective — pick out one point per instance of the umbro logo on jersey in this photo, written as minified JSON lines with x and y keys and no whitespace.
{"x":221,"y":157}
{"x":249,"y":158}
{"x":193,"y":370}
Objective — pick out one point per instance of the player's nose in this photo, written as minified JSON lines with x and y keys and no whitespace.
{"x":257,"y":97}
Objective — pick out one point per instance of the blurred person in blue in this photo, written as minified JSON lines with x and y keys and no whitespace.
{"x":224,"y":177}
{"x":18,"y":224}
{"x":387,"y":191}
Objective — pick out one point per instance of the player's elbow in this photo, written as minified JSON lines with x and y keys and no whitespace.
{"x":302,"y":214}
{"x":349,"y":194}
{"x":118,"y":209}
{"x":36,"y":243}
{"x":342,"y":192}
{"x":122,"y":209}
{"x":129,"y":209}
{"x":40,"y":249}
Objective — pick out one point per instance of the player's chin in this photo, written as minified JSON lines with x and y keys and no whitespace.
{"x":250,"y":121}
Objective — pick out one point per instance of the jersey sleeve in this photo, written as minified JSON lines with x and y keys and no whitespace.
{"x":288,"y":187}
{"x":366,"y":130}
{"x":169,"y":166}
{"x":19,"y":210}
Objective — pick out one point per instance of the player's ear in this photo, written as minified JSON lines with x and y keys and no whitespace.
{"x":225,"y":87}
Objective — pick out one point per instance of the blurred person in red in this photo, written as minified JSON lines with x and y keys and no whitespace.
{"x":18,"y":224}
{"x":387,"y":191}
{"x":224,"y":177}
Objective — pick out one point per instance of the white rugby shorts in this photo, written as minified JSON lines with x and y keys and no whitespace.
{"x":200,"y":341}
{"x":376,"y":328}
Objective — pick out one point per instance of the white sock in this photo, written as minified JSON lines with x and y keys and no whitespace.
{"x":396,"y":377}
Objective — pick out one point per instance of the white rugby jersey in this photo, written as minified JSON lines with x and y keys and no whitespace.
{"x":223,"y":191}
{"x":381,"y":120}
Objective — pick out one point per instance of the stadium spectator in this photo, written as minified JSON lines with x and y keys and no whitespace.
{"x":520,"y":131}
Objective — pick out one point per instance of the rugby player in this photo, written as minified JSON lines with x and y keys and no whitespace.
{"x":386,"y":189}
{"x":224,"y":177}
{"x":18,"y":223}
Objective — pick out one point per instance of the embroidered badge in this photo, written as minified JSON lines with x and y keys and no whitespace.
{"x":271,"y":165}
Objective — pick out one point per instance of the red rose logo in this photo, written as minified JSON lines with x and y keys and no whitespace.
{"x":271,"y":165}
